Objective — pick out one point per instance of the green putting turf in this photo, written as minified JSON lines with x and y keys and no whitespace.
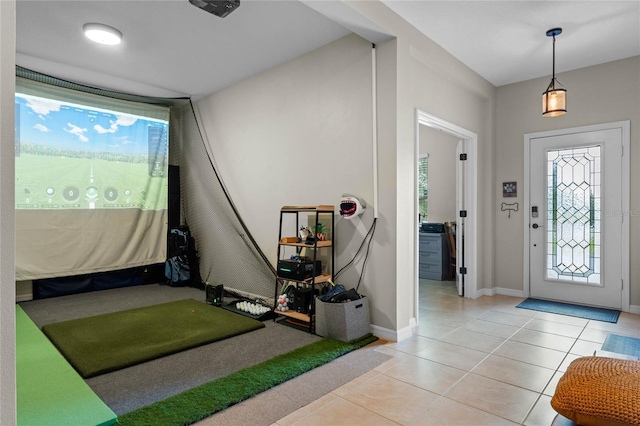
{"x":109,"y":342}
{"x":49,"y":391}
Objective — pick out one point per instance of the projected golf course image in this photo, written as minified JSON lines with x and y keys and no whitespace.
{"x":72,"y":156}
{"x":45,"y":182}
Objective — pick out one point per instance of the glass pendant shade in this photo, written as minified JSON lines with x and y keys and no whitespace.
{"x":554,"y":101}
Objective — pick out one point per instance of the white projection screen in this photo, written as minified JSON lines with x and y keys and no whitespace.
{"x":91,"y":184}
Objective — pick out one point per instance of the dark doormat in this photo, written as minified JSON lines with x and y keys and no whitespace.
{"x":586,"y":312}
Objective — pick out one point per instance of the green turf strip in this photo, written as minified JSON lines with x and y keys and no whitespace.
{"x":49,"y":392}
{"x":198,"y":403}
{"x":109,"y":342}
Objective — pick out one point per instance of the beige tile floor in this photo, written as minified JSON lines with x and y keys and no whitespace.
{"x":469,"y":362}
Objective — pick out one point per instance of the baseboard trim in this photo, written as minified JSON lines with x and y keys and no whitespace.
{"x":396,"y":336}
{"x":634,"y":309}
{"x":499,"y":290}
{"x":24,"y":291}
{"x":24,"y":297}
{"x":509,"y":292}
{"x":487,"y":292}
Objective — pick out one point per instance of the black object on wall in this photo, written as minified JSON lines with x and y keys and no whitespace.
{"x":174,"y":196}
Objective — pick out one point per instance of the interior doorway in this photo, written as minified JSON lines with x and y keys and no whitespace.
{"x":466,"y":210}
{"x":439,"y":238}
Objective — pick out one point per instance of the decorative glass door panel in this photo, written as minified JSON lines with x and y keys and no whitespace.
{"x":573,"y":215}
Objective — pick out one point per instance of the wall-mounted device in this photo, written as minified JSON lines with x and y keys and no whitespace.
{"x":219,"y":8}
{"x":351,"y":206}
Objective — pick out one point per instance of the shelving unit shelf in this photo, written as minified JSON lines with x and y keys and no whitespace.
{"x":302,"y":311}
{"x":318,"y":244}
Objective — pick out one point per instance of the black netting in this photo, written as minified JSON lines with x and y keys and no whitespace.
{"x":229,"y":254}
{"x":54,"y":81}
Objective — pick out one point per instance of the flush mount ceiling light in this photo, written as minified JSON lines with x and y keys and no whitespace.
{"x":554,"y":99}
{"x":103,"y":34}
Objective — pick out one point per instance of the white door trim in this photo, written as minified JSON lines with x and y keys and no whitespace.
{"x":460,"y":149}
{"x":470,"y":199}
{"x":626,"y":181}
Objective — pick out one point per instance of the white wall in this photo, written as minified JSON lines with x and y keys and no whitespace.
{"x":301,"y":134}
{"x":598,"y":94}
{"x":297,"y":134}
{"x":431,"y":80}
{"x":265,"y":131}
{"x":7,"y":179}
{"x":440,"y":147}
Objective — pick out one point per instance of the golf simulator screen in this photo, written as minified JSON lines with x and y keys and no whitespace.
{"x":91,"y":182}
{"x":71,"y":156}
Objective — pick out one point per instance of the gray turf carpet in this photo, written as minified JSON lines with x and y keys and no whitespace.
{"x":134,"y":387}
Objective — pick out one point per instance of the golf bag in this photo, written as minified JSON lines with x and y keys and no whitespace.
{"x":182,"y":267}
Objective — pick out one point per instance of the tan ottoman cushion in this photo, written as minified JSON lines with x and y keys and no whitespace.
{"x":600,"y":391}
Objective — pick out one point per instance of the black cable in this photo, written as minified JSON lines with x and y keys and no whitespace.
{"x":356,"y":254}
{"x":364,"y":240}
{"x":366,"y":255}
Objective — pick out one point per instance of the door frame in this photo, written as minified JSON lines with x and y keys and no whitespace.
{"x":469,"y":201}
{"x":626,"y":182}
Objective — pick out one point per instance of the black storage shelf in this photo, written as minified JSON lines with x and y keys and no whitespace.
{"x":312,"y":214}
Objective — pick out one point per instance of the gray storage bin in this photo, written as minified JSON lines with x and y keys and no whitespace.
{"x":343,"y":321}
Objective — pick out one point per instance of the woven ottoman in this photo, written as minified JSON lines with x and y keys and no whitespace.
{"x":600,"y":391}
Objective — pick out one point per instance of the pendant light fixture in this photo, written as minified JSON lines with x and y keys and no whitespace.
{"x":554,"y":99}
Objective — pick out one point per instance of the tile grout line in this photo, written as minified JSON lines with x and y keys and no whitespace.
{"x":522,"y":327}
{"x":557,"y":369}
{"x":485,"y":311}
{"x":443,"y":395}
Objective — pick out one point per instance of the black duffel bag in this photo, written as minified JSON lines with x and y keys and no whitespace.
{"x":345,"y":296}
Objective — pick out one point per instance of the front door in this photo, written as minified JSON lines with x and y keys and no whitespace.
{"x":576,"y":216}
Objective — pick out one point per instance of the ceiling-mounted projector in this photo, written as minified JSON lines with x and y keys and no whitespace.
{"x":219,"y":8}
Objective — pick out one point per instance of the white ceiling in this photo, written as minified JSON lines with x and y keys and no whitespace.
{"x":171,"y":48}
{"x":506,"y":41}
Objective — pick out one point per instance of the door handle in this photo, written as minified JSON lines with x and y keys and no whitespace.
{"x":535,"y":226}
